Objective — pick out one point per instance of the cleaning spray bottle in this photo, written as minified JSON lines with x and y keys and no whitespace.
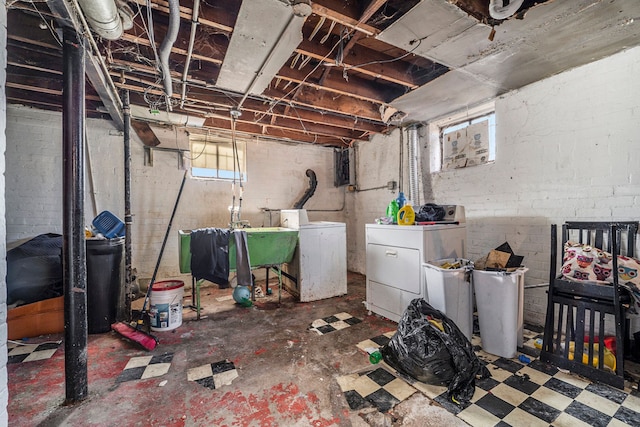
{"x":406,"y":214}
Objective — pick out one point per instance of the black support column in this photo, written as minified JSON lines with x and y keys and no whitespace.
{"x":74,"y":249}
{"x":128,"y":219}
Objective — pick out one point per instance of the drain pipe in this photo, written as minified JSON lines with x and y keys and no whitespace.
{"x":167,"y":44}
{"x":192,"y":38}
{"x":412,"y":136}
{"x":503,"y":12}
{"x":313,"y":183}
{"x":74,"y":246}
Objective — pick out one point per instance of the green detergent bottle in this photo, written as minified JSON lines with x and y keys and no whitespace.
{"x":392,"y":210}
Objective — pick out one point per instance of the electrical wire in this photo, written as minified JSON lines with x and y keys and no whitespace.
{"x":385,"y":61}
{"x":318,"y":65}
{"x":49,"y":27}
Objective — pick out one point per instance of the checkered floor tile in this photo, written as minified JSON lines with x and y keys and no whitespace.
{"x":333,"y":323}
{"x":213,"y":375}
{"x":18,"y":353}
{"x":518,"y":394}
{"x":140,"y":368}
{"x":378,"y":388}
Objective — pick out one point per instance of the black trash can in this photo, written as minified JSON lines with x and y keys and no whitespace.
{"x":105,"y":283}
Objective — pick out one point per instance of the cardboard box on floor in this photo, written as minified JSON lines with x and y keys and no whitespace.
{"x":500,"y":258}
{"x":39,"y":318}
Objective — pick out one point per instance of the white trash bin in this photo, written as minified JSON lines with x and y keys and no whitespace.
{"x":450,"y":291}
{"x":500,"y":301}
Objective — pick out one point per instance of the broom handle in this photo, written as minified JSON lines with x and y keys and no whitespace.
{"x":164,"y":243}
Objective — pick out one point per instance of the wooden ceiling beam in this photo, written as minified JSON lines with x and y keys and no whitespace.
{"x":262,"y":130}
{"x":340,"y":18}
{"x":210,"y":97}
{"x":183,"y":52}
{"x":323,"y":101}
{"x":186,"y":13}
{"x":325,"y":125}
{"x":362,"y":60}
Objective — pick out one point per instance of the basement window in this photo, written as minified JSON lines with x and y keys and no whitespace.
{"x":214,"y":158}
{"x":463,"y":139}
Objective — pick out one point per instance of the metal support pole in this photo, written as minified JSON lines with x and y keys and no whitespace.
{"x":128,"y":219}
{"x":74,"y":249}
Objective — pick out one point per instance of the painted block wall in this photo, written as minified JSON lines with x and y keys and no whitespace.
{"x":4,"y":391}
{"x":275,"y":180}
{"x":567,"y":149}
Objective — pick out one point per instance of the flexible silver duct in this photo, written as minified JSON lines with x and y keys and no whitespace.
{"x":167,"y":44}
{"x":192,"y":38}
{"x":503,"y":12}
{"x":103,"y":18}
{"x":414,"y":189}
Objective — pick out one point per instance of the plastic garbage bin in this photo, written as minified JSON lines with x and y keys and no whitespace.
{"x":105,"y":283}
{"x":449,"y":290}
{"x":500,"y":301}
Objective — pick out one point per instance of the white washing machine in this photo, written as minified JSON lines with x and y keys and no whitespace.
{"x":319,"y":265}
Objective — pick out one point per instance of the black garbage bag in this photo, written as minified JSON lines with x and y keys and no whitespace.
{"x":429,"y":347}
{"x":34,"y":270}
{"x":430,"y":212}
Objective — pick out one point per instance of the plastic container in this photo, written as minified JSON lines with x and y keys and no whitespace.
{"x":109,"y":225}
{"x":375,"y":357}
{"x":105,"y":283}
{"x":165,"y":310}
{"x":406,"y":215}
{"x":450,"y":291}
{"x":500,"y":301}
{"x":401,"y":200}
{"x":392,"y":210}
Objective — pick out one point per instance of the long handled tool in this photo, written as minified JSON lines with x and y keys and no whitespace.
{"x":134,"y":333}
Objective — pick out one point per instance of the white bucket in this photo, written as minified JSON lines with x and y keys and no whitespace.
{"x":165,"y":311}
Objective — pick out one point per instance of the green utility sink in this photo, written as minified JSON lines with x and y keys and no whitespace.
{"x":267,"y":246}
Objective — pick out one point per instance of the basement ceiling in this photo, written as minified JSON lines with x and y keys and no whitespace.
{"x":325,"y":72}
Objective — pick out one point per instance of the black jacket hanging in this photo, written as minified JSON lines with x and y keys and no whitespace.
{"x":210,"y":255}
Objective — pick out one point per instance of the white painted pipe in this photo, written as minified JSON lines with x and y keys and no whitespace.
{"x":503,"y":12}
{"x":103,"y":18}
{"x":414,"y":192}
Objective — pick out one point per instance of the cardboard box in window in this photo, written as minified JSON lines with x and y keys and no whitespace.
{"x":39,"y":318}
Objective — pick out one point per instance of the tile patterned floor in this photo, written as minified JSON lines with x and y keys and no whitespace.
{"x":333,"y":323}
{"x":18,"y":353}
{"x":213,"y":375}
{"x":516,"y":394}
{"x":140,"y":368}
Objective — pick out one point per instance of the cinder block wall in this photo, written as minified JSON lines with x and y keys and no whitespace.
{"x":567,"y":149}
{"x":275,"y":180}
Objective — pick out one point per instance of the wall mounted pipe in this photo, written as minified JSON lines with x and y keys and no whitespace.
{"x":412,"y":136}
{"x":192,"y":38}
{"x":313,"y":183}
{"x":103,"y":18}
{"x":503,"y":12}
{"x":167,"y":44}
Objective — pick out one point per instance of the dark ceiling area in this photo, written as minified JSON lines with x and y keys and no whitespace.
{"x":328,"y":72}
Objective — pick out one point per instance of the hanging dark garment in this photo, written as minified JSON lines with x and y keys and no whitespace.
{"x":210,"y":255}
{"x":243,"y":262}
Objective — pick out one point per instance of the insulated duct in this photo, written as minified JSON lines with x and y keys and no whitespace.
{"x":103,"y":18}
{"x":167,"y":44}
{"x":502,"y":11}
{"x":412,"y":137}
{"x":313,"y":183}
